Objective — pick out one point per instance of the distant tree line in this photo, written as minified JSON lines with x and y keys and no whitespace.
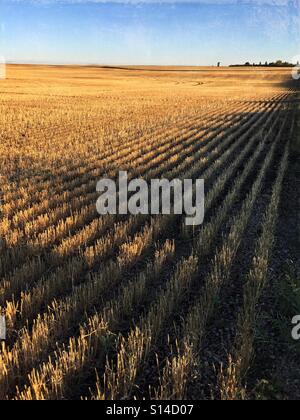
{"x":278,"y":63}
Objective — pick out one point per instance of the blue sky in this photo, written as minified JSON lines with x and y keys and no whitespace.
{"x":194,"y":32}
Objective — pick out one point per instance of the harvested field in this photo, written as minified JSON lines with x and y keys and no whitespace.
{"x":139,"y":306}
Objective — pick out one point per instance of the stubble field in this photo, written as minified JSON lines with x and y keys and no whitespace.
{"x":122,"y":307}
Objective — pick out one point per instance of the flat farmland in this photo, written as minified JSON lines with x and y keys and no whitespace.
{"x":139,"y":306}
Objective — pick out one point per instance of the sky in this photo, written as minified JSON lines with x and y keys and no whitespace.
{"x":149,"y":32}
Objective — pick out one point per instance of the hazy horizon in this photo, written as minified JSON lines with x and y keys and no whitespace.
{"x":124,"y":66}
